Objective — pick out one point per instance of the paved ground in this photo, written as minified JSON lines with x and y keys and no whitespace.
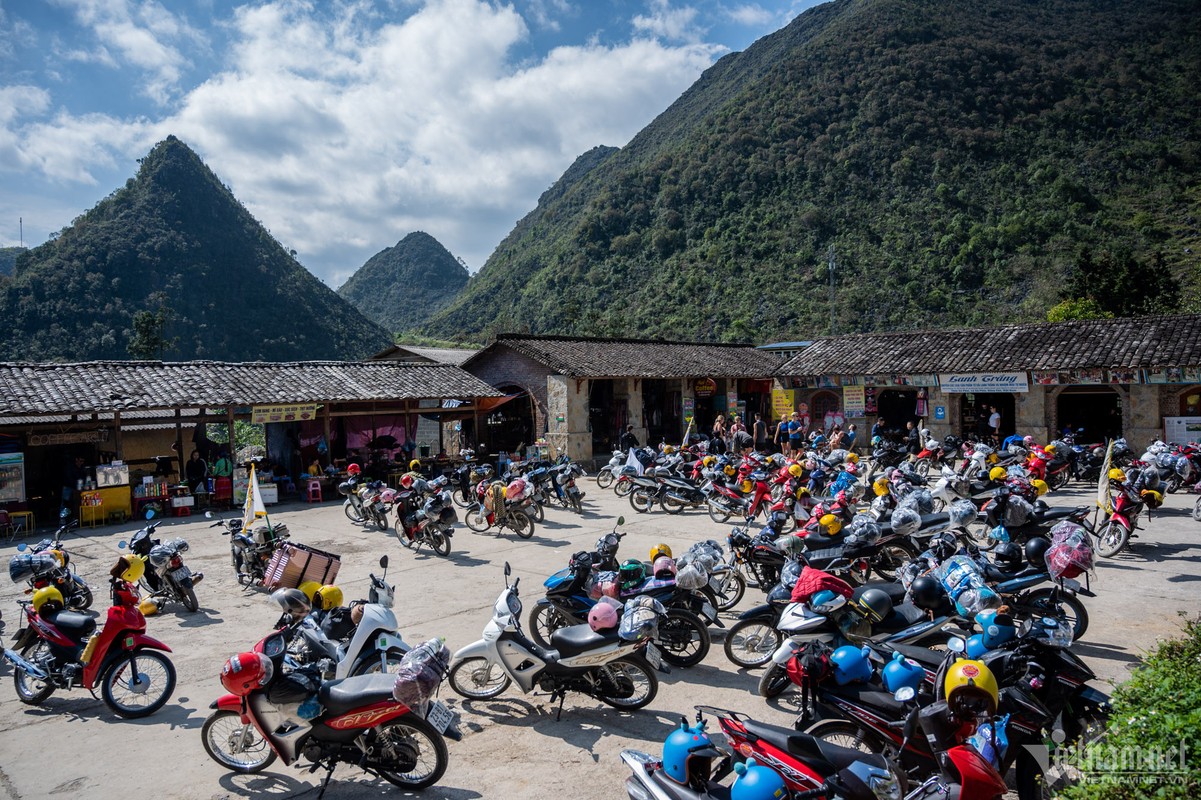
{"x":514,"y":747}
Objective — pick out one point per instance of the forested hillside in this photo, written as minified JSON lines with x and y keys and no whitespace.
{"x":960,"y":160}
{"x":172,"y":266}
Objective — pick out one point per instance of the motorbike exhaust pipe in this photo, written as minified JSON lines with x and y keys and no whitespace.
{"x":14,"y":659}
{"x":197,"y":577}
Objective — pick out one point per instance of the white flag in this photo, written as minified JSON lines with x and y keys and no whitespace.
{"x":632,"y":460}
{"x":254,"y":507}
{"x":1103,"y":499}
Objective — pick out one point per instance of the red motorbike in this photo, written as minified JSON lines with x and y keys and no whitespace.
{"x":1118,"y":530}
{"x":355,"y":720}
{"x":59,"y":649}
{"x":754,"y":499}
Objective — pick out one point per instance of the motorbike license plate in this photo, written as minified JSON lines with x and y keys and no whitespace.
{"x":653,"y":656}
{"x":181,"y":573}
{"x":709,"y":611}
{"x":440,"y":716}
{"x":1074,"y":585}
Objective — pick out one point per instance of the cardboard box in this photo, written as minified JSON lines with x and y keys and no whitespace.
{"x":179,"y":502}
{"x":293,"y":564}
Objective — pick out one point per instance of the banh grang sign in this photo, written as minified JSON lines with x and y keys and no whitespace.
{"x":984,"y":382}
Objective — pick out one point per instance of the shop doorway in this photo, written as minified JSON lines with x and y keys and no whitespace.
{"x":895,"y":407}
{"x":661,"y":412}
{"x":604,"y":420}
{"x":511,"y":425}
{"x":975,"y":409}
{"x":824,"y":407}
{"x":1094,"y":412}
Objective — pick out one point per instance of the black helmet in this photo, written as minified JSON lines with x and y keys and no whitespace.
{"x":1036,"y":551}
{"x":875,"y":604}
{"x":944,"y":546}
{"x":631,"y":574}
{"x":581,"y":562}
{"x":1009,"y":556}
{"x":926,"y":593}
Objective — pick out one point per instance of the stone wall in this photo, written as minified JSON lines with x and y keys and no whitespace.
{"x":567,"y":403}
{"x":504,"y":367}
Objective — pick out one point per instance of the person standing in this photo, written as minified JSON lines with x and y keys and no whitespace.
{"x":994,"y":424}
{"x":781,"y":437}
{"x":759,"y":429}
{"x":195,"y":472}
{"x":796,"y":434}
{"x":75,"y":474}
{"x":628,"y":440}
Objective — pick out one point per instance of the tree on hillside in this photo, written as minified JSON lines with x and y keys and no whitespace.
{"x":148,"y":340}
{"x":1117,"y":285}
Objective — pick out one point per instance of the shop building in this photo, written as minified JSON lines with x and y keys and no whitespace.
{"x":577,"y":394}
{"x":1138,"y":378}
{"x":148,"y":417}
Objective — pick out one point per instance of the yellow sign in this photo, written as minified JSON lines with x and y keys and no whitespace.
{"x":290,"y":412}
{"x":782,"y":403}
{"x":853,"y":401}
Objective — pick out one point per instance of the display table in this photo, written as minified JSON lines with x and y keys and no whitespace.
{"x":146,"y":493}
{"x":97,"y":506}
{"x":182,"y":501}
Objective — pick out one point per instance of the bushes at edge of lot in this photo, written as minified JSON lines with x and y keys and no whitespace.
{"x":1157,"y":711}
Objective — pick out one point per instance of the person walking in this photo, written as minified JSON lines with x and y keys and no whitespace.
{"x":759,"y":429}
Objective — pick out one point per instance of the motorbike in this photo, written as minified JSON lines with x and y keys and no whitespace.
{"x":567,"y":493}
{"x":608,"y":473}
{"x":358,"y":721}
{"x":494,"y":507}
{"x":48,"y":563}
{"x":432,"y":523}
{"x":671,"y":492}
{"x":352,"y":506}
{"x":250,"y":551}
{"x":724,"y":502}
{"x":468,"y":476}
{"x":63,"y":649}
{"x":167,"y":578}
{"x":617,"y":670}
{"x":810,"y":768}
{"x":375,"y":502}
{"x":1119,"y":528}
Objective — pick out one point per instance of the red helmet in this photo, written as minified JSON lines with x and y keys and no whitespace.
{"x":245,"y":672}
{"x":353,"y":469}
{"x":406,"y":481}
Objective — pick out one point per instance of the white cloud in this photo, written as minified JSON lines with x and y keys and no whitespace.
{"x":673,"y":24}
{"x":752,"y":15}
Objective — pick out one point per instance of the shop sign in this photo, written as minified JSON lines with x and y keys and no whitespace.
{"x":781,"y":403}
{"x":704,"y":387}
{"x":732,"y":402}
{"x":940,"y":412}
{"x":1172,"y":375}
{"x":689,"y":409}
{"x":853,"y":402}
{"x":287,"y":412}
{"x":82,"y":437}
{"x":984,"y":382}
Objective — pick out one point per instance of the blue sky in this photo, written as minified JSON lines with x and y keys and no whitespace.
{"x":343,"y":126}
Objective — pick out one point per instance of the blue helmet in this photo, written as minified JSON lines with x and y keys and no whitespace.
{"x":901,"y":672}
{"x":826,"y":601}
{"x":688,"y":755}
{"x":975,"y":647}
{"x":997,"y":629}
{"x":851,"y":665}
{"x":756,"y":782}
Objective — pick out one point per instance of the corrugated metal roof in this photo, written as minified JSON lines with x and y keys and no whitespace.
{"x":100,"y":386}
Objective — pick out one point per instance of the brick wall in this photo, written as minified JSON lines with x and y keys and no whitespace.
{"x":503,"y":366}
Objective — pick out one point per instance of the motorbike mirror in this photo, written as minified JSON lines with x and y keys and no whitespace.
{"x":956,"y":644}
{"x":904,"y":694}
{"x":121,"y":545}
{"x":621,"y":521}
{"x":508,"y":569}
{"x":383,"y":562}
{"x":208,"y":515}
{"x":150,"y":513}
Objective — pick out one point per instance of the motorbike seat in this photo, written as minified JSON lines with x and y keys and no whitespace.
{"x":831,"y":757}
{"x":895,"y":591}
{"x":73,"y":624}
{"x":576,"y":639}
{"x":937,"y":518}
{"x":901,"y":617}
{"x":347,"y":694}
{"x":870,"y":696}
{"x":994,"y":574}
{"x":922,"y":655}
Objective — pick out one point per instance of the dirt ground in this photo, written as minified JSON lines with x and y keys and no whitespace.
{"x":513,"y":746}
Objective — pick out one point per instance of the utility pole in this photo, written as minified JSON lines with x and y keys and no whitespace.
{"x":830,"y":256}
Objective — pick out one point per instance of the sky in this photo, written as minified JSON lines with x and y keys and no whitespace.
{"x":344,"y":125}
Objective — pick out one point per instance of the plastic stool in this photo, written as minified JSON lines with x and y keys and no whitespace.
{"x":183,"y":511}
{"x":314,"y":491}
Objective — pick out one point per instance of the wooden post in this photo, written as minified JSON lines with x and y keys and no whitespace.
{"x":117,"y":435}
{"x":179,"y":441}
{"x":229,"y":424}
{"x":329,"y":448}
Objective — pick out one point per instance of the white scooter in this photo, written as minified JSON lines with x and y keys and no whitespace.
{"x":375,"y":646}
{"x":619,"y":672}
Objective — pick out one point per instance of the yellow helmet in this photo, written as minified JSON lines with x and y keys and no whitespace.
{"x":660,"y":550}
{"x":148,"y":607}
{"x":880,"y":486}
{"x":853,"y":458}
{"x":132,"y":568}
{"x":993,"y":458}
{"x":1049,"y":449}
{"x":1116,"y":474}
{"x":709,"y":461}
{"x":830,"y":524}
{"x":327,"y":597}
{"x":802,"y":491}
{"x":61,"y":555}
{"x":970,"y":689}
{"x":1152,"y":498}
{"x":729,"y":470}
{"x":415,"y":464}
{"x":796,"y":470}
{"x":668,"y":449}
{"x":997,"y":474}
{"x":1040,"y":486}
{"x":310,"y":589}
{"x":48,"y":599}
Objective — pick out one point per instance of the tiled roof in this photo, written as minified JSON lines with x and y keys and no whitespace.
{"x":97,"y":386}
{"x":440,"y":355}
{"x":1138,"y":343}
{"x":586,"y":357}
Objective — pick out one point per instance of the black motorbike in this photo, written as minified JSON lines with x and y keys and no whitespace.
{"x":250,"y":551}
{"x":48,"y":563}
{"x":167,"y":578}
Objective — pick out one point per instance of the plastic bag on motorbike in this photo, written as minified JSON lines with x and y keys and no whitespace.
{"x":962,"y":512}
{"x":160,"y":555}
{"x":1017,"y":512}
{"x":294,"y":686}
{"x":605,"y":584}
{"x":811,"y":581}
{"x":861,"y":532}
{"x":920,"y":500}
{"x":420,"y":674}
{"x":494,"y":496}
{"x":964,"y":583}
{"x":640,"y":619}
{"x":26,"y":566}
{"x":692,"y":576}
{"x":1071,"y":551}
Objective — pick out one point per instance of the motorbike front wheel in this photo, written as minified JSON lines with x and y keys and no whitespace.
{"x":891,"y":558}
{"x":477,"y":518}
{"x":844,"y":733}
{"x":718,"y":513}
{"x":188,"y":595}
{"x":1112,"y":539}
{"x":683,"y":638}
{"x":401,"y":536}
{"x":623,"y":486}
{"x":440,"y":543}
{"x":478,"y":678}
{"x":81,"y":597}
{"x":774,"y":681}
{"x":730,"y":592}
{"x":381,"y":520}
{"x":641,"y":501}
{"x":1044,"y":601}
{"x":536,"y":512}
{"x":235,"y":745}
{"x":604,"y":478}
{"x":408,"y":751}
{"x":628,"y":683}
{"x":138,"y":684}
{"x":672,"y":505}
{"x":351,"y":512}
{"x":373,"y":664}
{"x":751,"y":642}
{"x":1197,"y":511}
{"x":30,"y":690}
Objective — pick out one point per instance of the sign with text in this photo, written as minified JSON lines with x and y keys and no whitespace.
{"x":288,"y":412}
{"x":689,"y":408}
{"x":704,"y":387}
{"x":984,"y":382}
{"x":782,"y":403}
{"x":854,"y":403}
{"x":732,"y":403}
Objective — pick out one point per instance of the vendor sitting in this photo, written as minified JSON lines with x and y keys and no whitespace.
{"x":196,"y":473}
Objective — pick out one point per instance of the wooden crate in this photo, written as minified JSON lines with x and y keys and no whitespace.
{"x":293,"y":564}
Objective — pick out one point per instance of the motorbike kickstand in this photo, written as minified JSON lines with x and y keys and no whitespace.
{"x":329,"y":773}
{"x":562,"y":697}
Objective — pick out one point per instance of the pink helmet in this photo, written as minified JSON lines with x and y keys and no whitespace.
{"x":603,"y":616}
{"x":664,"y":567}
{"x":852,"y":469}
{"x":515,"y":489}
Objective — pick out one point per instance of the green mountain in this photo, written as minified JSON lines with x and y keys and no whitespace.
{"x":175,"y":264}
{"x":400,"y":287}
{"x":957,"y":159}
{"x":8,"y":259}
